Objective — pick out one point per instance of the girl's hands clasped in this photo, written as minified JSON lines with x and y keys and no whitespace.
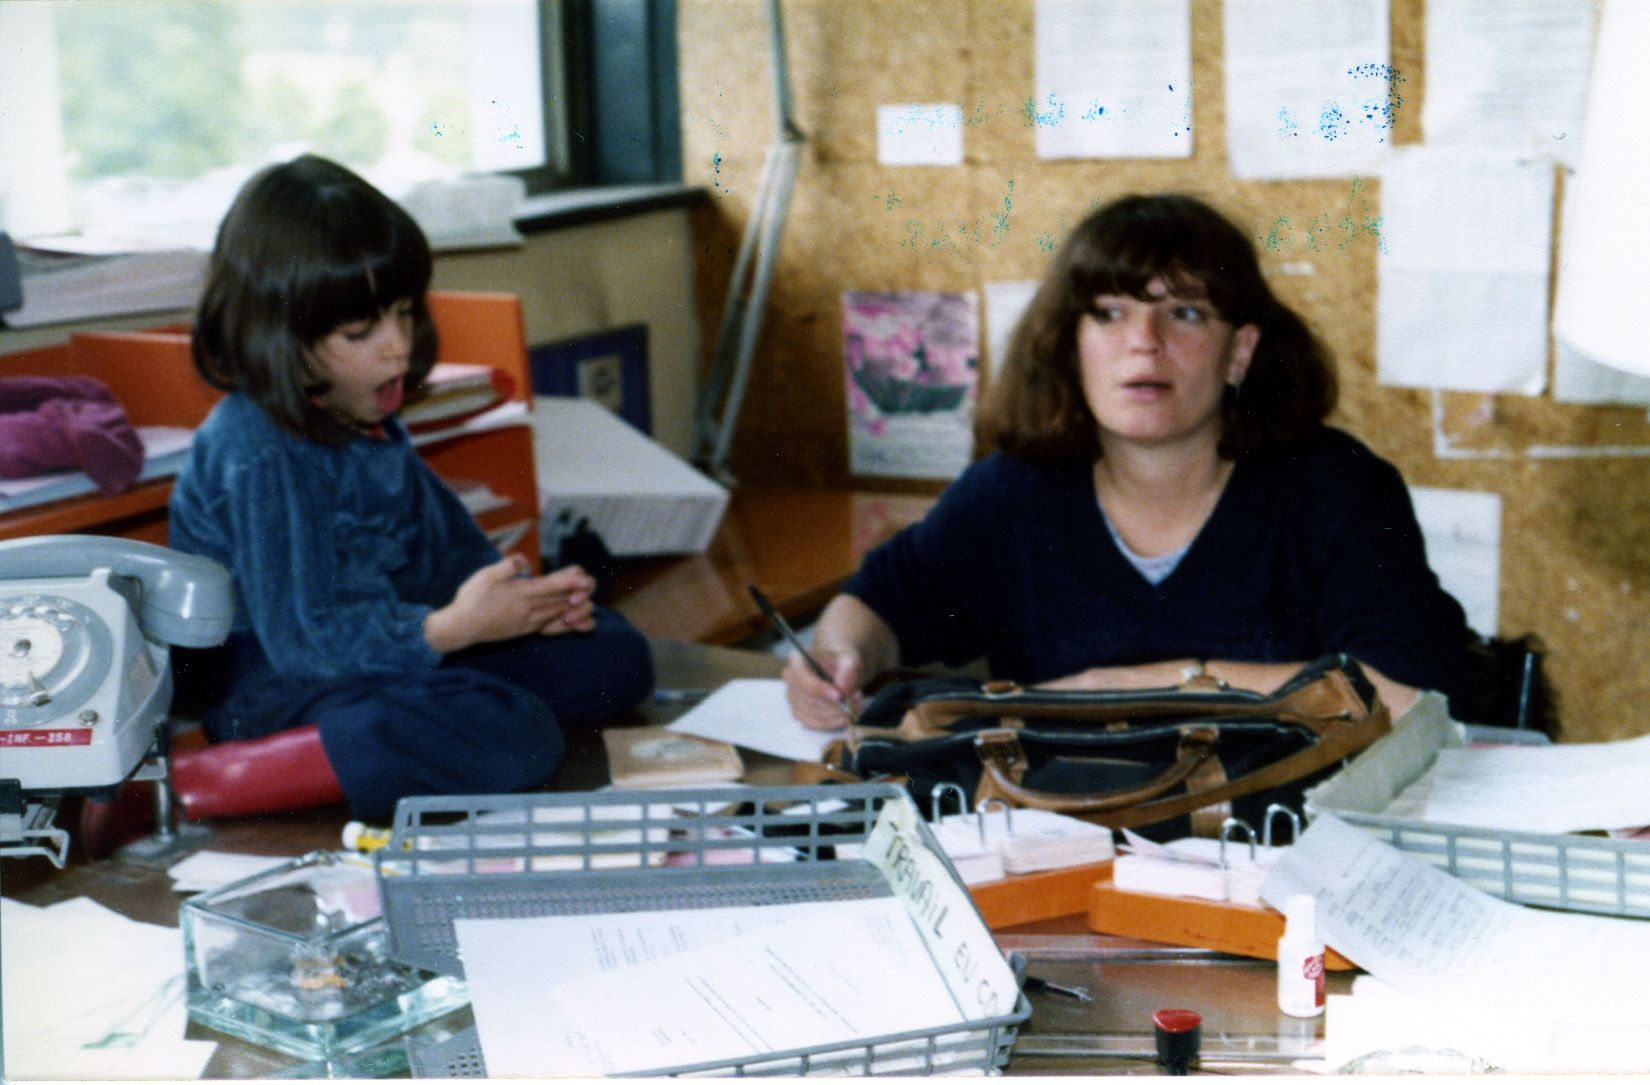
{"x":502,"y":601}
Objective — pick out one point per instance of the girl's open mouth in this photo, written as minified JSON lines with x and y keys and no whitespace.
{"x":388,"y":396}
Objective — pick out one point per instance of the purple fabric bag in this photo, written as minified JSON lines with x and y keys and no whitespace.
{"x":58,"y":423}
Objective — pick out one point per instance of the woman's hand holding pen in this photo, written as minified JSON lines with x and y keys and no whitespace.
{"x":820,"y":704}
{"x":502,"y":601}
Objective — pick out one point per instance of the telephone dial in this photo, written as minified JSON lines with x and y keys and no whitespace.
{"x":85,"y":669}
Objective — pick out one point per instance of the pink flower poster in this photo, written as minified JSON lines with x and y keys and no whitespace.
{"x":912,"y":366}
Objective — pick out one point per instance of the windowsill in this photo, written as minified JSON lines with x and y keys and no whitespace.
{"x":538,"y":214}
{"x":581,"y":206}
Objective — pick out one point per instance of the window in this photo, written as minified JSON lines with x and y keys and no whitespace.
{"x":134,"y":122}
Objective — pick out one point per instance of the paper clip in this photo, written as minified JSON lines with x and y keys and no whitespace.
{"x":985,"y":805}
{"x":1294,"y":823}
{"x":1226,"y":828}
{"x":935,"y":807}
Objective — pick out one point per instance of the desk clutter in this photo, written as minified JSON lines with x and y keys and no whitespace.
{"x":639,"y":962}
{"x":587,"y":933}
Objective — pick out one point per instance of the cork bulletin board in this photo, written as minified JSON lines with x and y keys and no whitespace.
{"x":1574,"y":480}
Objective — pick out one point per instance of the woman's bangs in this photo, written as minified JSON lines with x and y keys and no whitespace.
{"x":1126,"y":270}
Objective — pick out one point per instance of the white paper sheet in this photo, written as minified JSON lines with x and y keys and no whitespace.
{"x":209,"y":869}
{"x":1394,"y":1032}
{"x":1572,"y":787}
{"x":1607,"y":223}
{"x":751,"y":712}
{"x":641,"y":991}
{"x":1516,"y":77}
{"x":920,"y":135}
{"x":1114,"y":79}
{"x":1579,"y":379}
{"x":92,"y":995}
{"x":1466,"y":239}
{"x":1308,"y":88}
{"x":1420,"y":930}
{"x":1005,"y":303}
{"x":1462,"y":529}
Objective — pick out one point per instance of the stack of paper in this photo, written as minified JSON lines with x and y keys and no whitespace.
{"x":1019,"y":842}
{"x":60,"y":286}
{"x":638,"y":496}
{"x":165,"y":450}
{"x":91,"y":994}
{"x":452,"y":391}
{"x":1193,"y":867}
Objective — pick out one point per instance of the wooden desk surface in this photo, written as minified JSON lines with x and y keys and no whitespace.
{"x":798,"y":546}
{"x":1111,"y":1035}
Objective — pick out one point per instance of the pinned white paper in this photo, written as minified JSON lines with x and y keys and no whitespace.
{"x":1462,"y":529}
{"x":1466,"y":240}
{"x":1114,"y":79}
{"x":1310,"y":91}
{"x":1516,"y":77}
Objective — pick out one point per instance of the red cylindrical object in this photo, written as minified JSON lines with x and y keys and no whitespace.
{"x":284,"y":771}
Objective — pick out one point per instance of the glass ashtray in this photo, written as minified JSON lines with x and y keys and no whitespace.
{"x":294,"y":959}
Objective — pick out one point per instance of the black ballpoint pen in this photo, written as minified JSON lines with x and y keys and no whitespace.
{"x":770,"y":612}
{"x":1034,"y":984}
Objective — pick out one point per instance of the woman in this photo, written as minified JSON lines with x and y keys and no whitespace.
{"x":1162,"y":500}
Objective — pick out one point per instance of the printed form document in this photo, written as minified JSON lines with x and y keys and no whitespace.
{"x":610,"y":993}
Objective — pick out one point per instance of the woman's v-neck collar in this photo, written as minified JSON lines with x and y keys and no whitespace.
{"x":1194,"y":549}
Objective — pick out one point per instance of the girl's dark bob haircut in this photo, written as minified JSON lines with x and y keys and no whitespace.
{"x":1035,"y":407}
{"x":306,"y":247}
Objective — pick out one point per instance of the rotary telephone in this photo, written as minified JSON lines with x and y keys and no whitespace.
{"x":85,"y":671}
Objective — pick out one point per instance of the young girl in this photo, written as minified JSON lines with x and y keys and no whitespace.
{"x":368,"y":602}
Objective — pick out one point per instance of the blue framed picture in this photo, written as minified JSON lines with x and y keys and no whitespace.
{"x":609,"y":367}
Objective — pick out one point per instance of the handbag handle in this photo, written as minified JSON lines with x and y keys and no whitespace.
{"x":1127,"y":809}
{"x":1000,"y":752}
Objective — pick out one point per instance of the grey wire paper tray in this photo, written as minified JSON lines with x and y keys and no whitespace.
{"x":619,"y":851}
{"x":1567,"y":871}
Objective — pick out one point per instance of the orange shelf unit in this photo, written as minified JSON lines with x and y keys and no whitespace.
{"x":1044,"y":894}
{"x":1242,"y":929}
{"x":153,"y":376}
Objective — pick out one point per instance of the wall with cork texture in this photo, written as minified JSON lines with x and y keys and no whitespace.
{"x":1575,"y":541}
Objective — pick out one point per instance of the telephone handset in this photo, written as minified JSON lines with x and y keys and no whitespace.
{"x":85,"y":674}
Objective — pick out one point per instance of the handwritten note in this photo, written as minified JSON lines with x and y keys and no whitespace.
{"x":1418,"y":929}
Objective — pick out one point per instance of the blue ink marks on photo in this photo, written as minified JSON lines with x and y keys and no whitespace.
{"x":1056,"y":111}
{"x":1287,"y":128}
{"x":716,"y":174}
{"x":1045,"y":242}
{"x":925,"y":118}
{"x":1324,"y":232}
{"x":948,"y":237}
{"x":1332,"y":123}
{"x":1380,"y":111}
{"x":980,"y":116}
{"x":1095,"y":110}
{"x":999,"y":226}
{"x":436,"y":131}
{"x":1280,"y":236}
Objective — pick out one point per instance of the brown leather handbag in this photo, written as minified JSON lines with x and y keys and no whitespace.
{"x":1178,"y":759}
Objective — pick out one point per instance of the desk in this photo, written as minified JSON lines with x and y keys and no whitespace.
{"x":799,"y":546}
{"x":1129,"y":979}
